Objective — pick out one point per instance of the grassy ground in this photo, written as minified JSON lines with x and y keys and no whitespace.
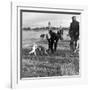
{"x":60,"y":63}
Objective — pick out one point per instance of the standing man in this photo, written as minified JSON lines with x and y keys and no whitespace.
{"x":53,"y":41}
{"x":74,"y":33}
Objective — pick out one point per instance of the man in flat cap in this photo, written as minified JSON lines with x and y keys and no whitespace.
{"x":74,"y":33}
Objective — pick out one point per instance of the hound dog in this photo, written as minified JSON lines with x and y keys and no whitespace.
{"x":39,"y":47}
{"x":33,"y":49}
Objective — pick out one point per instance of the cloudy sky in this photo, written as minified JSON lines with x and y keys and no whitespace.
{"x":31,"y":19}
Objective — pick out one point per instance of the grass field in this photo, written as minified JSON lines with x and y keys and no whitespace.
{"x":60,"y":63}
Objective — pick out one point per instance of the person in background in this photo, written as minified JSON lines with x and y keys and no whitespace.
{"x":60,"y":33}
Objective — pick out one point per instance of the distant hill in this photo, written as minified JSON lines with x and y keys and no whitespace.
{"x":43,"y":28}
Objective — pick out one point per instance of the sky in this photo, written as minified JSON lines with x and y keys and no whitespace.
{"x":32,"y":19}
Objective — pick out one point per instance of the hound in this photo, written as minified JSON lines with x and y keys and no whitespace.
{"x":33,"y":49}
{"x":39,"y":47}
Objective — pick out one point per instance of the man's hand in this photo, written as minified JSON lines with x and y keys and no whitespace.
{"x":76,"y":33}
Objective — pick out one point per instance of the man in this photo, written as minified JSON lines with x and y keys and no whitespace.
{"x":60,"y":33}
{"x":53,"y":41}
{"x":74,"y":33}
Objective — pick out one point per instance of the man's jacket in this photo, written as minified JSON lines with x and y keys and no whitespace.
{"x":74,"y":29}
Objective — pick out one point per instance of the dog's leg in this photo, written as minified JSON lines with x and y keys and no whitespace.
{"x":32,"y":52}
{"x":35,"y":53}
{"x":46,"y":52}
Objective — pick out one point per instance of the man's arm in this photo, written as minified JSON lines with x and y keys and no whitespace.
{"x":78,"y":27}
{"x":77,"y":30}
{"x":70,"y":29}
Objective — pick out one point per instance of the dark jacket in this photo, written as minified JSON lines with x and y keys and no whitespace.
{"x":74,"y":29}
{"x":53,"y":36}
